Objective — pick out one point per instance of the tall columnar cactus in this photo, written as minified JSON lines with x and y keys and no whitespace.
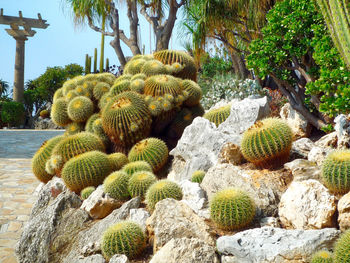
{"x":126,"y":119}
{"x":322,"y":256}
{"x":267,"y":143}
{"x":137,"y":166}
{"x":40,"y":158}
{"x":87,"y":169}
{"x":159,"y":85}
{"x":337,"y":17}
{"x":194,"y":91}
{"x":59,"y":114}
{"x":198,"y":176}
{"x":86,"y":192}
{"x":80,"y":109}
{"x":118,"y":160}
{"x":139,"y":183}
{"x":219,"y":115}
{"x":87,"y":64}
{"x":116,"y":185}
{"x":161,"y":190}
{"x":342,"y":248}
{"x":152,"y":150}
{"x":95,"y":60}
{"x":336,"y":171}
{"x":107,"y":64}
{"x":232,"y":209}
{"x":126,"y":238}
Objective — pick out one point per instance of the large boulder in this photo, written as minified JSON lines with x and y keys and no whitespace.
{"x":342,"y":128}
{"x":303,"y":170}
{"x":344,"y":212}
{"x":264,"y":186}
{"x":45,"y":124}
{"x":185,"y":250}
{"x":275,"y":245}
{"x":307,"y":205}
{"x":201,"y":142}
{"x":193,"y":195}
{"x":301,"y":148}
{"x":300,"y":126}
{"x":318,"y":155}
{"x":174,"y":219}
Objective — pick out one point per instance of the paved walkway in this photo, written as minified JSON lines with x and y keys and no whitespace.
{"x":17,"y":184}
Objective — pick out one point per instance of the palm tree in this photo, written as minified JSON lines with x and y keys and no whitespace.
{"x":4,"y":86}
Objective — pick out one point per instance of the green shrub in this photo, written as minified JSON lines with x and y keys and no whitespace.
{"x":12,"y":112}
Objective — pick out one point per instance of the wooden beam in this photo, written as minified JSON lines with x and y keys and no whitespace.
{"x":31,"y":22}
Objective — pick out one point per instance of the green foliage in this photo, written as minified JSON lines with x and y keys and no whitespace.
{"x":87,"y":169}
{"x":40,"y":158}
{"x":12,"y":112}
{"x":232,"y":209}
{"x":267,"y":143}
{"x":139,"y":183}
{"x":137,"y":166}
{"x":116,"y":185}
{"x":335,"y":171}
{"x":125,"y":238}
{"x":219,"y":115}
{"x":86,"y":192}
{"x":161,"y":190}
{"x":152,"y":150}
{"x":59,"y":114}
{"x":118,"y":160}
{"x":342,"y":248}
{"x":215,"y":65}
{"x":80,"y":109}
{"x":322,"y":256}
{"x":198,"y":176}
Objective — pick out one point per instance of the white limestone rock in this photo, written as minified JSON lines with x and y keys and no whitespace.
{"x":344,"y":212}
{"x":139,"y":216}
{"x":193,"y":195}
{"x":300,"y":126}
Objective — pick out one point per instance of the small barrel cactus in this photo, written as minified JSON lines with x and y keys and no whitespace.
{"x":134,"y":66}
{"x":87,"y":169}
{"x":58,"y":94}
{"x":100,"y":89}
{"x":161,"y":190}
{"x":152,"y":150}
{"x":119,"y":87}
{"x":232,"y":209}
{"x":137,"y":166}
{"x":219,"y":115}
{"x":140,"y":182}
{"x":322,"y":256}
{"x":90,"y":121}
{"x":342,"y":248}
{"x":86,"y":192}
{"x":118,"y":160}
{"x":80,"y":109}
{"x":140,"y":76}
{"x":153,"y":67}
{"x":125,"y":237}
{"x":197,"y":176}
{"x":267,"y":143}
{"x":59,"y":114}
{"x":160,"y":85}
{"x":116,"y":185}
{"x":44,"y":114}
{"x":74,"y":127}
{"x":194,"y":92}
{"x":336,"y":171}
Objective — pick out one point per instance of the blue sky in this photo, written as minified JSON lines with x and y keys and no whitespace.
{"x":61,"y":43}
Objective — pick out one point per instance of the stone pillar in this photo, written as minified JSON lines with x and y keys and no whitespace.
{"x":18,"y":88}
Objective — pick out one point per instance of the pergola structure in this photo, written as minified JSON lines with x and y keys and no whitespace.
{"x":20,"y":30}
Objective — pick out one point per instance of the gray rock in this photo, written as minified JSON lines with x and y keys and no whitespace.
{"x":185,"y":250}
{"x":304,"y":170}
{"x":40,"y":230}
{"x":269,"y":221}
{"x":174,"y":219}
{"x":92,"y":259}
{"x":91,"y":249}
{"x":302,"y":147}
{"x":139,"y":216}
{"x":300,"y":126}
{"x":307,"y":205}
{"x":318,"y":155}
{"x":119,"y":259}
{"x":45,"y":124}
{"x":193,"y":195}
{"x":201,"y":142}
{"x":268,"y":244}
{"x":329,"y":140}
{"x":265,"y":187}
{"x":342,"y":128}
{"x":344,"y":212}
{"x":231,"y":153}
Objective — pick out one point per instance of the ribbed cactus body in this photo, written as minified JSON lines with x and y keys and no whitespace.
{"x":336,"y":171}
{"x":104,"y":100}
{"x":125,"y":238}
{"x":86,"y":192}
{"x":138,"y":76}
{"x":100,"y":89}
{"x":182,"y":119}
{"x":58,"y":94}
{"x":90,"y":121}
{"x":83,"y":92}
{"x":159,"y":85}
{"x":194,"y":92}
{"x":59,"y":114}
{"x":106,"y":77}
{"x":80,"y":109}
{"x":152,"y":150}
{"x":139,"y":183}
{"x":232,"y":209}
{"x":219,"y":115}
{"x":342,"y":248}
{"x":71,"y":95}
{"x":116,"y":185}
{"x":99,"y":131}
{"x":137,"y":166}
{"x":118,"y":160}
{"x":44,"y":114}
{"x":74,"y":127}
{"x":119,"y":87}
{"x":87,"y":169}
{"x":267,"y":143}
{"x":134,"y":66}
{"x":137,"y":85}
{"x":322,"y":256}
{"x":197,"y":176}
{"x":40,"y":158}
{"x":70,"y":85}
{"x":126,"y":119}
{"x":153,"y":67}
{"x":161,"y":190}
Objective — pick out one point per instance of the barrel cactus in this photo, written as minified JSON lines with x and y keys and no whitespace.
{"x":126,"y":119}
{"x":219,"y":115}
{"x":137,"y":85}
{"x":134,"y":66}
{"x":140,"y":76}
{"x":137,"y":166}
{"x":44,"y":114}
{"x":125,"y":237}
{"x":153,"y":67}
{"x":80,"y":109}
{"x":232,"y":209}
{"x":87,"y":169}
{"x":86,"y":192}
{"x":90,"y":121}
{"x":198,"y":176}
{"x":194,"y":91}
{"x":59,"y":114}
{"x":336,"y":171}
{"x":342,"y":248}
{"x":41,"y":157}
{"x":116,"y":185}
{"x":139,"y":183}
{"x":100,"y":89}
{"x":120,"y":86}
{"x":74,"y":127}
{"x":161,"y":190}
{"x":267,"y":143}
{"x":58,"y":94}
{"x":118,"y":160}
{"x":152,"y":150}
{"x":322,"y":256}
{"x":160,"y":85}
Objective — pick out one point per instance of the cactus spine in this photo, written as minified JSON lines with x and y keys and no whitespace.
{"x":139,"y":183}
{"x":342,"y":248}
{"x":219,"y":115}
{"x":232,"y":209}
{"x":116,"y":185}
{"x":137,"y":166}
{"x":59,"y":114}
